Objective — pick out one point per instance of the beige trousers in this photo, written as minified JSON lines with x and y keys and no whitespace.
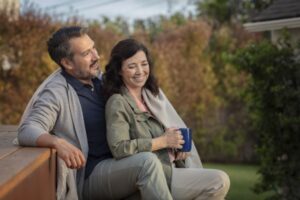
{"x":199,"y":184}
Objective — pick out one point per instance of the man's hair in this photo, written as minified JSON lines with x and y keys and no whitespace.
{"x":58,"y":44}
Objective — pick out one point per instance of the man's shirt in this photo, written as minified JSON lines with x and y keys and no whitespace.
{"x":93,"y":109}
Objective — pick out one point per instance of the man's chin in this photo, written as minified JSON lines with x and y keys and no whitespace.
{"x":96,"y":73}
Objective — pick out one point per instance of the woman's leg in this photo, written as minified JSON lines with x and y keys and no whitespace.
{"x":199,"y":184}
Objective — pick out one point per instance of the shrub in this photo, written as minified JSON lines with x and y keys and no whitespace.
{"x":273,"y":102}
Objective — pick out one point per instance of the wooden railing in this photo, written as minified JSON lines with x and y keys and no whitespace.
{"x":25,"y":173}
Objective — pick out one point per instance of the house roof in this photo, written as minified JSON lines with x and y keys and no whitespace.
{"x":280,"y":14}
{"x":279,"y":9}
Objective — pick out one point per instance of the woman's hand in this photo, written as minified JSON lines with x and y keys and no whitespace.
{"x":182,"y":155}
{"x":172,"y":138}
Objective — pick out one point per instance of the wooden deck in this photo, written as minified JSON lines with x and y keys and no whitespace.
{"x":25,"y":173}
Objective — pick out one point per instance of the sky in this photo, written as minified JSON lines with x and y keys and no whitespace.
{"x":128,"y":9}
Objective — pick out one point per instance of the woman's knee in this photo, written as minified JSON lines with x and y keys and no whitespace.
{"x":224,"y":181}
{"x":149,"y":163}
{"x":146,"y":158}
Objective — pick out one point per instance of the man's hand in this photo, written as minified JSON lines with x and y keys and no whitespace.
{"x":72,"y":156}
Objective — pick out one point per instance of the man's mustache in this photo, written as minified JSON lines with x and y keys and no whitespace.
{"x":94,"y":62}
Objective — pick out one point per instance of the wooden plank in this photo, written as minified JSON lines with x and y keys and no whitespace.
{"x":6,"y":145}
{"x":38,"y":184}
{"x":8,"y":128}
{"x":20,"y":168}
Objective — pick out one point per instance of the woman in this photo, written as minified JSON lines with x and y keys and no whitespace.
{"x":131,"y":127}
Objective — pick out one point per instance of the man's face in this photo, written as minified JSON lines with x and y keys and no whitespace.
{"x":85,"y":62}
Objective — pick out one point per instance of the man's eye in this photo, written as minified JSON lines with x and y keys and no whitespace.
{"x":86,"y":53}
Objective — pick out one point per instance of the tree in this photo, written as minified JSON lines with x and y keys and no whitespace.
{"x":274,"y":96}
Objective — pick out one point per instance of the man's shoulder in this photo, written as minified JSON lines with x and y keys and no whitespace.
{"x":56,"y":82}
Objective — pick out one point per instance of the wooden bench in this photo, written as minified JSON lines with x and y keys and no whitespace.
{"x":25,"y":173}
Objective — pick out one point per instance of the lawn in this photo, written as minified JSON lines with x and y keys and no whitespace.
{"x":242,"y":180}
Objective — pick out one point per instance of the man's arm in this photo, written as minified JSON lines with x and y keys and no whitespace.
{"x":35,"y":128}
{"x":72,"y":156}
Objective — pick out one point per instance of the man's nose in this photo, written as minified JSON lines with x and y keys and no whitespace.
{"x":95,"y":54}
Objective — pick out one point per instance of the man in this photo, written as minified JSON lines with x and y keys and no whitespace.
{"x":67,"y":113}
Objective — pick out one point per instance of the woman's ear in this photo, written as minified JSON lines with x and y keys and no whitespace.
{"x":66,"y":63}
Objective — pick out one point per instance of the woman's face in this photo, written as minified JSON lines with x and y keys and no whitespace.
{"x":135,"y":71}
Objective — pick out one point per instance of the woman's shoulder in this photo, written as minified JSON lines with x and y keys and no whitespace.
{"x":115,"y":97}
{"x":116,"y":101}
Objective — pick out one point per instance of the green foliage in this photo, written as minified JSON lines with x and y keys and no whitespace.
{"x":229,"y":11}
{"x":219,"y":10}
{"x":118,"y":25}
{"x":230,"y":131}
{"x":274,"y":97}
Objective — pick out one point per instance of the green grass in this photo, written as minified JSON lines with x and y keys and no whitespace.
{"x":242,"y":180}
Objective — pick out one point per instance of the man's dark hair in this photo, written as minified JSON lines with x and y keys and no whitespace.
{"x":112,"y":80}
{"x":58,"y":43}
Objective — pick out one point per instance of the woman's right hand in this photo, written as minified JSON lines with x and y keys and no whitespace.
{"x":173,"y":138}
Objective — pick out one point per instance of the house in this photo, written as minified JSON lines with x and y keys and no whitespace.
{"x":11,"y":8}
{"x":281,"y":14}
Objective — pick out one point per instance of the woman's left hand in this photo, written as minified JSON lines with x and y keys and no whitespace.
{"x":182,"y":155}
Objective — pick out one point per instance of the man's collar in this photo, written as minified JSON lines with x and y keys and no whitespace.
{"x":74,"y":82}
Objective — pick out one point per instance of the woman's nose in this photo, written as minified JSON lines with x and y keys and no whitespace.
{"x":139,"y":69}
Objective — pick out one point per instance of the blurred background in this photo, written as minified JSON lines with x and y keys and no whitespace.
{"x":230,"y":68}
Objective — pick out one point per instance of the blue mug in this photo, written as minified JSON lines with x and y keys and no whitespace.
{"x":187,"y":137}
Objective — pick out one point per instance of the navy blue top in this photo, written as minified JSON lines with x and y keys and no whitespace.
{"x":93,"y":109}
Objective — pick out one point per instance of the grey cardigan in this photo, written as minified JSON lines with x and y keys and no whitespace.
{"x":55,"y":108}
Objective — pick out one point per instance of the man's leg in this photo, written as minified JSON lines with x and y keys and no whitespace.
{"x":199,"y":184}
{"x":117,"y":179}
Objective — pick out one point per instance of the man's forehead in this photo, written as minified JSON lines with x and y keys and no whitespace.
{"x":81,"y":43}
